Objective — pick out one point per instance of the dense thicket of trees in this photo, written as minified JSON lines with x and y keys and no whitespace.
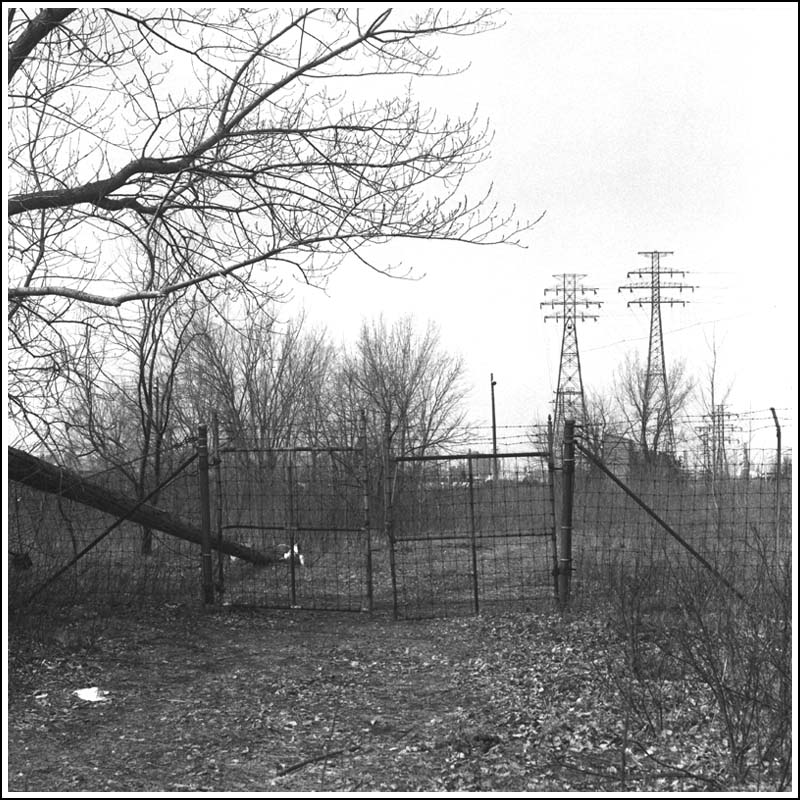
{"x":263,"y":378}
{"x":277,"y":385}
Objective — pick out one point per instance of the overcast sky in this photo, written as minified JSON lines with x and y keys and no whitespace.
{"x":631,"y":127}
{"x":635,"y":127}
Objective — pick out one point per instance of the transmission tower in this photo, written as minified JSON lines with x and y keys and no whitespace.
{"x":656,"y":387}
{"x":704,"y":434}
{"x":569,"y":297}
{"x":722,"y":439}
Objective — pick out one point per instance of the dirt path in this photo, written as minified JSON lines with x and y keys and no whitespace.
{"x":279,"y":701}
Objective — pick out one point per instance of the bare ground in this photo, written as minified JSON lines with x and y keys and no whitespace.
{"x":236,"y":700}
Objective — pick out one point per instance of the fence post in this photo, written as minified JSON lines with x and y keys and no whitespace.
{"x":551,"y":480}
{"x":365,"y":493}
{"x":565,"y":550}
{"x":778,"y":470}
{"x":387,"y":511}
{"x":291,"y":523}
{"x":472,"y":536}
{"x":217,"y":464}
{"x":205,"y":516}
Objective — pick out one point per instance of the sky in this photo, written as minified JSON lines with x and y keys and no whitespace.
{"x":632,"y":127}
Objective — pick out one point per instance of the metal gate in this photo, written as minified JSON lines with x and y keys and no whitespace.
{"x":306,"y":509}
{"x":471,"y":533}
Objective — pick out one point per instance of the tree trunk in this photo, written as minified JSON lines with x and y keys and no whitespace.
{"x":32,"y":471}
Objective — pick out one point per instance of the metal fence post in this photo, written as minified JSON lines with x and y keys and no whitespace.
{"x":387,"y":512}
{"x":365,"y":494}
{"x":205,"y":516}
{"x":778,"y":470}
{"x":568,"y":487}
{"x":217,"y":464}
{"x":551,"y":481}
{"x":472,"y":536}
{"x":291,"y":524}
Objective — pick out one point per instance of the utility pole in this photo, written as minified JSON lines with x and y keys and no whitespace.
{"x":494,"y":431}
{"x":656,"y":388}
{"x":569,"y":297}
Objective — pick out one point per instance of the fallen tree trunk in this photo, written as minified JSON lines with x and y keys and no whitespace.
{"x":38,"y":474}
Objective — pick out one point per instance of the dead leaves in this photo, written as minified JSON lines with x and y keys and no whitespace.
{"x":273,"y":701}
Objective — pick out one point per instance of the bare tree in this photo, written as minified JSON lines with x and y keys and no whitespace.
{"x":601,"y":431}
{"x":154,"y":151}
{"x":643,"y":405}
{"x":411,"y":388}
{"x":120,"y":408}
{"x":263,"y":379}
{"x":411,"y":391}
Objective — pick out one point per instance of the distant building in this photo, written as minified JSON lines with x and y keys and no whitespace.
{"x":618,"y":453}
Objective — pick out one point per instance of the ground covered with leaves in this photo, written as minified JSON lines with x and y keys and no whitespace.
{"x":236,"y":700}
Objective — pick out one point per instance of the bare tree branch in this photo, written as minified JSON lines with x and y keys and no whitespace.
{"x":161,"y":153}
{"x":35,"y":32}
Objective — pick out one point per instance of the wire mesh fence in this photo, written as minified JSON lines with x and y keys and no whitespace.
{"x":62,"y":551}
{"x":471,"y":533}
{"x":305,"y":507}
{"x":352,"y":529}
{"x":728,"y":523}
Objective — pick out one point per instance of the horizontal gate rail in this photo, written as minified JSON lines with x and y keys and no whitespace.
{"x":301,"y":528}
{"x":246,"y":527}
{"x":465,"y":537}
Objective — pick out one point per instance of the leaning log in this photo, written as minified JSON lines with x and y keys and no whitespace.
{"x":38,"y":474}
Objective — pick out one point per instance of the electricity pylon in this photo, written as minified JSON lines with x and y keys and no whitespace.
{"x":569,"y":402}
{"x":656,"y":387}
{"x":722,"y":439}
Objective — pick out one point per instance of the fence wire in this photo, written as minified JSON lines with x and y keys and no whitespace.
{"x":471,"y":534}
{"x":737,"y":523}
{"x":132,"y":564}
{"x":420,"y":537}
{"x":304,"y":507}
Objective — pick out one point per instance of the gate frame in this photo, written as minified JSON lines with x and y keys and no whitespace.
{"x":290,"y":526}
{"x":546,"y":455}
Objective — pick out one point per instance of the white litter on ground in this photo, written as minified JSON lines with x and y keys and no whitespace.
{"x":92,"y":694}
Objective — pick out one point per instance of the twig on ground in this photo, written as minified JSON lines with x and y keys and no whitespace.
{"x":329,"y":738}
{"x":679,"y":771}
{"x":560,"y":762}
{"x":320,"y":757}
